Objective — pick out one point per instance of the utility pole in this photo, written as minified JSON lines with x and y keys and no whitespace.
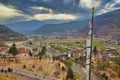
{"x":89,"y":47}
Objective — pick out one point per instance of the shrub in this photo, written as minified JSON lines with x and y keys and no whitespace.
{"x":68,"y":62}
{"x":24,"y":66}
{"x":63,"y":68}
{"x":105,"y":76}
{"x":103,"y":65}
{"x":33,"y":66}
{"x":70,"y":75}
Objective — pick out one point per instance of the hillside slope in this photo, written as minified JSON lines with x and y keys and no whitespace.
{"x":5,"y":31}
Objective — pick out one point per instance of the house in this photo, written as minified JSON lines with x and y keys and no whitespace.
{"x":4,"y":51}
{"x":79,"y":49}
{"x":23,"y":52}
{"x":77,"y":52}
{"x":111,"y":49}
{"x":113,"y":41}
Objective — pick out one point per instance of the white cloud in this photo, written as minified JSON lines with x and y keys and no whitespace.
{"x":90,"y":3}
{"x":54,"y":16}
{"x":43,"y":9}
{"x":103,"y":11}
{"x":51,"y":15}
{"x":117,"y":1}
{"x":8,"y":12}
{"x":111,"y":6}
{"x":40,"y":8}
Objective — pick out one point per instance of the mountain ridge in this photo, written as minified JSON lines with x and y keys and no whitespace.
{"x":106,"y":21}
{"x":25,"y":27}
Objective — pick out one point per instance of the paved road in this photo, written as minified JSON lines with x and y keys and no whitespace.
{"x":81,"y":71}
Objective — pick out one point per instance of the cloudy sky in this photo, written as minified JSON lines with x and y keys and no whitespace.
{"x":20,"y":10}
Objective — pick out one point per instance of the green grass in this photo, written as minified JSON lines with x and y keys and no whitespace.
{"x":76,"y":76}
{"x":67,"y":44}
{"x":100,"y":45}
{"x":69,"y":62}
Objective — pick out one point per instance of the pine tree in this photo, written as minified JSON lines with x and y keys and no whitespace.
{"x":13,"y":50}
{"x":30,"y":43}
{"x":30,"y":53}
{"x":42,"y":52}
{"x":95,"y":51}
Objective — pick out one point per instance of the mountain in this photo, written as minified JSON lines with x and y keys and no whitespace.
{"x":64,"y":27}
{"x":55,"y":21}
{"x":5,"y":31}
{"x":106,"y":24}
{"x":26,"y":27}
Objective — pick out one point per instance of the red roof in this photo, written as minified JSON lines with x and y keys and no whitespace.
{"x":4,"y":50}
{"x":22,"y":51}
{"x":79,"y":49}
